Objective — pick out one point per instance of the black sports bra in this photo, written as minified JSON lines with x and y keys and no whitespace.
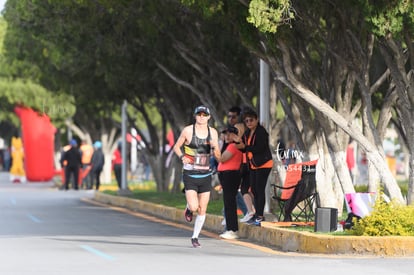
{"x":198,"y":151}
{"x":202,"y":145}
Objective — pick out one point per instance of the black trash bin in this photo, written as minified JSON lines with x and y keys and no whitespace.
{"x":326,"y":219}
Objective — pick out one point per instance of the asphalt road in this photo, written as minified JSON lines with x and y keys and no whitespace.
{"x":48,"y":231}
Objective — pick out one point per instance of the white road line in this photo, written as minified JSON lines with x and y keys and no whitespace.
{"x":97,"y":252}
{"x":33,"y":218}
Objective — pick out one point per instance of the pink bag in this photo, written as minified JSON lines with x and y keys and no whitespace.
{"x":360,"y":204}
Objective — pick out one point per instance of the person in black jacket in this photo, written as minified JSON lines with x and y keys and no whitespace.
{"x":97,"y":162}
{"x":73,"y":160}
{"x":255,"y":142}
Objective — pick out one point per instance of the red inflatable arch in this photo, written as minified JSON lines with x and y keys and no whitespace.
{"x":38,"y":135}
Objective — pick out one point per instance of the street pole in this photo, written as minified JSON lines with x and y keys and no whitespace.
{"x":124,"y":160}
{"x":264,"y":114}
{"x":124,"y":187}
{"x":264,"y":94}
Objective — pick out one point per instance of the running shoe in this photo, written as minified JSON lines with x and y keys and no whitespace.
{"x":229,"y":235}
{"x":195,"y":243}
{"x":258,"y":221}
{"x":251,"y":221}
{"x":188,"y":215}
{"x":247,"y":217}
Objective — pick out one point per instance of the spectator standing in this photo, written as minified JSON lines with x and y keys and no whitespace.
{"x":362,"y":169}
{"x":97,"y":163}
{"x":146,"y":166}
{"x":230,"y":176}
{"x":117,"y":164}
{"x":72,"y":158}
{"x":255,"y":143}
{"x":86,"y":151}
{"x":350,"y":159}
{"x":6,"y":158}
{"x":244,"y":201}
{"x":198,"y":141}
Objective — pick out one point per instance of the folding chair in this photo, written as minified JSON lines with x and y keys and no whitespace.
{"x":298,"y":192}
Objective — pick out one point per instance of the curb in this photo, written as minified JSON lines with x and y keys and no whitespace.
{"x":281,"y":239}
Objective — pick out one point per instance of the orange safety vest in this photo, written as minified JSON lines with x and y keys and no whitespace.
{"x":87,"y":152}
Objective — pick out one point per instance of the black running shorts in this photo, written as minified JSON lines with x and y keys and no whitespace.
{"x":200,"y":183}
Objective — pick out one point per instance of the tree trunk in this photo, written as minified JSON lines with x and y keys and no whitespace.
{"x":161,"y":172}
{"x":372,"y":151}
{"x":373,"y":178}
{"x":399,"y":60}
{"x":106,"y":175}
{"x":410,"y":195}
{"x":325,"y":175}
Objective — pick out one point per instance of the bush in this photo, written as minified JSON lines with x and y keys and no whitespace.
{"x":386,"y":219}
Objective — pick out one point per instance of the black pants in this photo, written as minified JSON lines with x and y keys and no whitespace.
{"x":96,"y":178}
{"x":258,"y":181}
{"x":118,"y":174}
{"x":245,"y":180}
{"x":71,"y":171}
{"x":230,"y":182}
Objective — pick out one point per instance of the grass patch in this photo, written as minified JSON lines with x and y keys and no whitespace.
{"x":147,"y":192}
{"x":312,"y":230}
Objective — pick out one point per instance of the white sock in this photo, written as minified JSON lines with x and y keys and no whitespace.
{"x":198,"y":224}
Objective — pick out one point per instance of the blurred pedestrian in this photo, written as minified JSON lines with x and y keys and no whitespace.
{"x":73,"y":160}
{"x":6,"y":159}
{"x":86,"y":151}
{"x":291,"y":154}
{"x":350,"y":159}
{"x":97,"y":163}
{"x":17,"y":172}
{"x":117,"y":164}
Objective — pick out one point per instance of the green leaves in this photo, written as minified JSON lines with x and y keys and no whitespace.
{"x":207,"y":7}
{"x":390,"y":17}
{"x":268,"y":15}
{"x":23,"y":92}
{"x":386,"y":219}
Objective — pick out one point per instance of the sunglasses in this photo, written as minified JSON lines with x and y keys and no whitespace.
{"x":202,"y":114}
{"x":248,"y":120}
{"x":231,"y":116}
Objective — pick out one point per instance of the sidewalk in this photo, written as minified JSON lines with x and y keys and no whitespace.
{"x":281,"y":239}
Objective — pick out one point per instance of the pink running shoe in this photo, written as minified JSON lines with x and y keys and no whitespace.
{"x":195,"y":243}
{"x":188,"y":215}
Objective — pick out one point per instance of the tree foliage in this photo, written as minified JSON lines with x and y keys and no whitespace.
{"x":326,"y":60}
{"x":25,"y":91}
{"x":268,"y":15}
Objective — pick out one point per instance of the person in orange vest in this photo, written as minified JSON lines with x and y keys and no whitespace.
{"x":87,"y":152}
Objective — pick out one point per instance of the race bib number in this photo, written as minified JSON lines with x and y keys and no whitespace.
{"x":201,"y":162}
